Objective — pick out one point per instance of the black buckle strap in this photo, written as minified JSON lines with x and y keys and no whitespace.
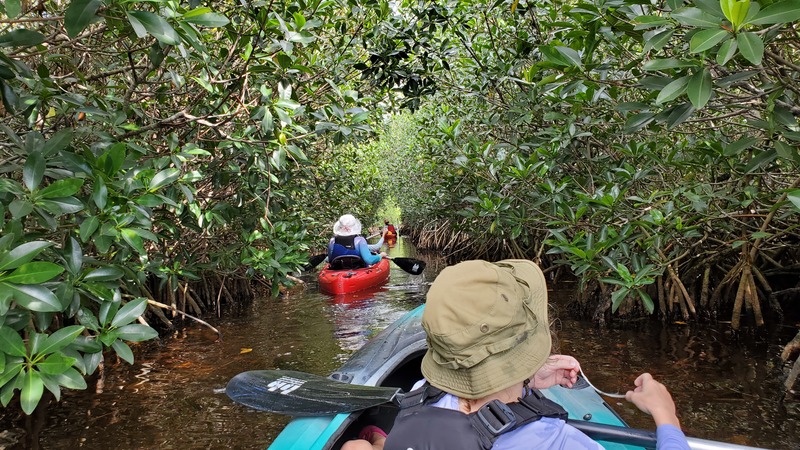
{"x":421,"y":396}
{"x":497,"y":417}
{"x":540,"y":406}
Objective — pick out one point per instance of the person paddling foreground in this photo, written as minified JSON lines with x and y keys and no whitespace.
{"x":488,"y":353}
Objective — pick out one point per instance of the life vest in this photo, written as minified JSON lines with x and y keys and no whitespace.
{"x":419,"y":426}
{"x":391,"y":229}
{"x":344,"y":254}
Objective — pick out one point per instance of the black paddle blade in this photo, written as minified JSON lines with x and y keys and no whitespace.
{"x":314,"y":261}
{"x":410,"y":265}
{"x":303,"y":394}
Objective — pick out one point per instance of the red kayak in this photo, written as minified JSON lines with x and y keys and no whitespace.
{"x":353,"y":280}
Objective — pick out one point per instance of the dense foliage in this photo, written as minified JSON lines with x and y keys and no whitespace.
{"x":156,"y":155}
{"x":650,"y":147}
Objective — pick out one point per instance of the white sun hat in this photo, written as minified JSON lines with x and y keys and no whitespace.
{"x":347,"y":225}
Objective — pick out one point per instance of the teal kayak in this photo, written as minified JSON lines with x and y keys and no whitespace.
{"x":392,"y":358}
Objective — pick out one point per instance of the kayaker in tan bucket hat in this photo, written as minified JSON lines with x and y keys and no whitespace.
{"x":489,"y":346}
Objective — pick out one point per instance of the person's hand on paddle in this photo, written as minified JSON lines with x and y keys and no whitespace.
{"x":384,"y":255}
{"x":557,"y":370}
{"x":652,"y":397}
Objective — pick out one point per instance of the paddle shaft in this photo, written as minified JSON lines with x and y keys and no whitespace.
{"x":304,"y":394}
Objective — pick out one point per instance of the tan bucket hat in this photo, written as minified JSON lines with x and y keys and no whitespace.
{"x":487,"y":326}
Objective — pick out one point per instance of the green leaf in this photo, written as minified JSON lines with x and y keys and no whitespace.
{"x":20,"y":208}
{"x":21,"y":38}
{"x":79,"y":15}
{"x":11,"y":342}
{"x":58,"y":142}
{"x":706,"y":39}
{"x":71,"y":379}
{"x":673,"y":90}
{"x":33,"y":172}
{"x":88,"y":227}
{"x":51,"y":384}
{"x":137,"y":332}
{"x":133,"y":239}
{"x":679,"y":114}
{"x":761,"y":160}
{"x":100,"y":193}
{"x":61,"y":338}
{"x":13,"y":368}
{"x":735,"y":148}
{"x":73,"y":255}
{"x":726,"y":51}
{"x":206,"y":19}
{"x":62,"y":188}
{"x":638,"y":121}
{"x":700,"y":88}
{"x":666,"y":63}
{"x":786,"y":151}
{"x":109,"y":273}
{"x":750,"y":46}
{"x":61,"y":205}
{"x":55,"y":364}
{"x":164,"y":178}
{"x":695,"y":17}
{"x":617,"y":297}
{"x":739,"y":13}
{"x":794,"y":197}
{"x":648,"y":302}
{"x":144,"y":22}
{"x":123,"y":351}
{"x":32,"y":390}
{"x":780,"y":12}
{"x":34,"y":297}
{"x":22,"y":254}
{"x":570,"y":55}
{"x":657,"y":41}
{"x":33,"y":273}
{"x":710,"y":6}
{"x":13,"y":8}
{"x":112,"y":160}
{"x":129,"y":312}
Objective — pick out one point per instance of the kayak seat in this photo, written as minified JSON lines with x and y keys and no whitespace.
{"x":347,"y":262}
{"x":403,"y":376}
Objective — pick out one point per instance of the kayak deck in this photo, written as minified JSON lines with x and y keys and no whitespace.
{"x":353,"y":280}
{"x":393,"y":358}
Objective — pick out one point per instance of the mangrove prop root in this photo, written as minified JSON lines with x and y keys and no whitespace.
{"x":716,"y":296}
{"x":790,"y":351}
{"x":737,"y":304}
{"x":704,"y":290}
{"x":761,"y":279}
{"x":754,"y":300}
{"x":686,"y":299}
{"x":793,"y":374}
{"x":662,"y":303}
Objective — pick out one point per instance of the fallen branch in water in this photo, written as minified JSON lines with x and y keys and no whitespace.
{"x":174,"y":309}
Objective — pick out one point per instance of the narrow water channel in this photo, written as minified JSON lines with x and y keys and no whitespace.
{"x":726,"y":389}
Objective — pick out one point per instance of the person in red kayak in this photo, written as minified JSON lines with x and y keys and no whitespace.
{"x":347,"y":249}
{"x":389,"y":230}
{"x":489,"y":350}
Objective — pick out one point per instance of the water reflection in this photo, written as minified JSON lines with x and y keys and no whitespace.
{"x":726,"y":389}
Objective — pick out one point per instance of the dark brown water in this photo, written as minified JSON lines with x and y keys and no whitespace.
{"x":726,"y":389}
